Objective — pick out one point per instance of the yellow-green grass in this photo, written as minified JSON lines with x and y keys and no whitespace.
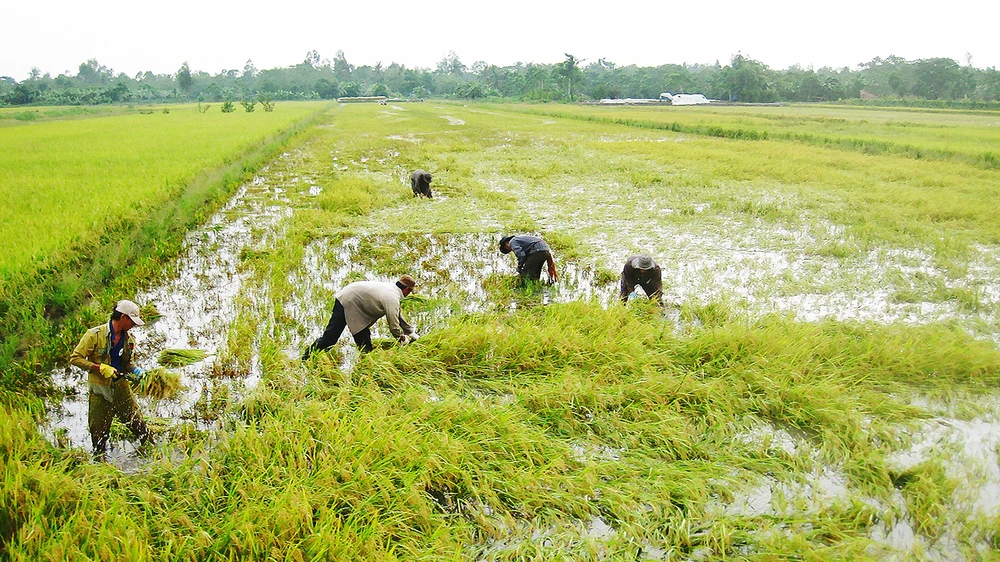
{"x":971,"y":137}
{"x":505,"y":436}
{"x":64,"y":181}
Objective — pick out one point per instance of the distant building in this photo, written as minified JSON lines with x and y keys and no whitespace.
{"x":685,"y":99}
{"x":866,"y":95}
{"x":363,"y":99}
{"x":627,"y":101}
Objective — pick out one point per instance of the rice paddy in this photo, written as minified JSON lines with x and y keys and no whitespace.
{"x":821,"y":383}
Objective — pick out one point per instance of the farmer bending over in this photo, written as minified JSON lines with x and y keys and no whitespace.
{"x":641,"y":270}
{"x":531,"y":253}
{"x":361,"y":304}
{"x":105,"y":352}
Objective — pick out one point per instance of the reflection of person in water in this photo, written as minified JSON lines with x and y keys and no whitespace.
{"x":105,"y":352}
{"x":641,"y":270}
{"x":361,"y":304}
{"x":531,"y":253}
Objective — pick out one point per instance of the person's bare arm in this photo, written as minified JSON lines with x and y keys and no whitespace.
{"x":553,"y":277}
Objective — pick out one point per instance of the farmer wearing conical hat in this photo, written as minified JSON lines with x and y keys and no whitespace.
{"x":361,"y":304}
{"x":105,"y":352}
{"x":641,"y":270}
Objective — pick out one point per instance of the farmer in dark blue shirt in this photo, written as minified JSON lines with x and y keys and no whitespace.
{"x":531,"y":253}
{"x":643,"y":272}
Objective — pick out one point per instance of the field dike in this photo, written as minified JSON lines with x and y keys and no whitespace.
{"x":552,"y":423}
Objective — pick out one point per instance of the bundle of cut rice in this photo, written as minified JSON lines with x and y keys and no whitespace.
{"x":160,"y":383}
{"x":149,"y":312}
{"x":181,"y":357}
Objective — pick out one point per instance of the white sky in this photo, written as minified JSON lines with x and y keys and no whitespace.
{"x":129,"y":36}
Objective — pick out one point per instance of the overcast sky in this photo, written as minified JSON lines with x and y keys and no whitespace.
{"x":129,"y":36}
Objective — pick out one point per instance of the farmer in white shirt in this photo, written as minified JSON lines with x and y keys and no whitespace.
{"x":361,"y":304}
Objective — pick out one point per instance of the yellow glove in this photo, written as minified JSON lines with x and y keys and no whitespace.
{"x":108,"y":372}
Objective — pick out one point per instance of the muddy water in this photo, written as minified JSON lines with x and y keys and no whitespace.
{"x":197,"y":306}
{"x":453,"y":272}
{"x":763,"y":266}
{"x":968,"y":448}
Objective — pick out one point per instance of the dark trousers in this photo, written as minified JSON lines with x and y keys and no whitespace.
{"x":531,"y":268}
{"x":338,"y":321}
{"x":101,"y":412}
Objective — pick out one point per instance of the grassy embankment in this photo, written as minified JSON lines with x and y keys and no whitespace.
{"x":13,"y":116}
{"x":92,"y":207}
{"x":562,"y":432}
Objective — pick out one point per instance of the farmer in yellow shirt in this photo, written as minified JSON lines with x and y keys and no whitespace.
{"x":105,"y":352}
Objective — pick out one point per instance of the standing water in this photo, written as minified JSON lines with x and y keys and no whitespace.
{"x":197,"y":307}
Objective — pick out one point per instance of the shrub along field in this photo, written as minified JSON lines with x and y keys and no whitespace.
{"x":827,"y":312}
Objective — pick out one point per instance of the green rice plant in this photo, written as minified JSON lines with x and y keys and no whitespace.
{"x":927,"y":490}
{"x":88,"y":185}
{"x":181,"y":357}
{"x":161,"y":384}
{"x":568,"y":431}
{"x":149,"y":312}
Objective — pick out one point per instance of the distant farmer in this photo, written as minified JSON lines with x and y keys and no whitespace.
{"x":105,"y":352}
{"x":361,"y":304}
{"x":531,"y":252}
{"x":641,"y":270}
{"x":420,"y":181}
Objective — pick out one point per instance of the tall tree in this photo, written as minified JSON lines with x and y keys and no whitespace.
{"x":249,"y":70}
{"x":569,"y":73}
{"x":935,"y":78}
{"x":451,"y":65}
{"x":341,"y":68}
{"x":746,"y":80}
{"x":93,"y":72}
{"x":184,"y":80}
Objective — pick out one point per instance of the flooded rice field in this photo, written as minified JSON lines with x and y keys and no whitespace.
{"x":197,"y":306}
{"x":758,"y":266}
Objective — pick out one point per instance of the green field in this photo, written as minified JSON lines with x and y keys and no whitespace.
{"x":811,"y":390}
{"x":64,"y":180}
{"x":970,"y":137}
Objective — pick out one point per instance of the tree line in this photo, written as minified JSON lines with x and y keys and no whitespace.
{"x":893,"y":80}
